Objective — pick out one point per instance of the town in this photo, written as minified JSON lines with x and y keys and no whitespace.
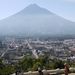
{"x":14,"y":49}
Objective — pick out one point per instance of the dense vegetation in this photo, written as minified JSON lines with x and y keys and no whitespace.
{"x":6,"y":69}
{"x":30,"y":64}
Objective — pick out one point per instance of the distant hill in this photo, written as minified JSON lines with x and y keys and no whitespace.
{"x":35,"y":20}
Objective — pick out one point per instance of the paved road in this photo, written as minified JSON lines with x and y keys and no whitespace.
{"x":4,"y":53}
{"x":35,"y":54}
{"x":33,"y":50}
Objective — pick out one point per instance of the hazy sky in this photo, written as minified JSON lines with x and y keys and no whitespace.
{"x":64,"y":8}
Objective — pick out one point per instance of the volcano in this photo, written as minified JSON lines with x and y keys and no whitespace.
{"x":35,"y":20}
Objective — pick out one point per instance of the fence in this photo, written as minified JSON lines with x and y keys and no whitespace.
{"x":51,"y":72}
